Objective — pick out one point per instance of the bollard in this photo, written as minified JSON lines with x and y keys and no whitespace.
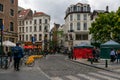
{"x":106,"y":63}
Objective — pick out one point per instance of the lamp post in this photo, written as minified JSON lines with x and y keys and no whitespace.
{"x":1,"y":30}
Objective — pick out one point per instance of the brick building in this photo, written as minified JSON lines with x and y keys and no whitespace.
{"x":8,"y":15}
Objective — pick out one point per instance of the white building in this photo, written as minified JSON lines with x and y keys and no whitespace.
{"x":77,"y":23}
{"x":61,"y":36}
{"x":33,"y":28}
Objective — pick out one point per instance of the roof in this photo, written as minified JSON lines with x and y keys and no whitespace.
{"x":23,"y":13}
{"x":110,"y":43}
{"x":84,"y":45}
{"x":99,"y":11}
{"x":36,"y":14}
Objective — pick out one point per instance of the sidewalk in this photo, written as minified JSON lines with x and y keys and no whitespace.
{"x":112,"y":66}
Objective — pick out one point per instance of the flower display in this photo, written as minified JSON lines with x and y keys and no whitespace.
{"x":32,"y":58}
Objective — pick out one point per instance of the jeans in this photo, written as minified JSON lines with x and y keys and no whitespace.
{"x":16,"y":63}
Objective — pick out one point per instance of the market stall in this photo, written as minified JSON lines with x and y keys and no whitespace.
{"x":83,"y":51}
{"x":106,"y":47}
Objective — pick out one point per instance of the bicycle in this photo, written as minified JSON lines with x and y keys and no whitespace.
{"x":4,"y":62}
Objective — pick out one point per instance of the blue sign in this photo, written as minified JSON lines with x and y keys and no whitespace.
{"x":33,"y":39}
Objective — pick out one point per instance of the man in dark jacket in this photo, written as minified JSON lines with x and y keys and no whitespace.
{"x":17,"y":54}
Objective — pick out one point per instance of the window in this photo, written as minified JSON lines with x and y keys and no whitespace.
{"x":40,"y":28}
{"x":35,"y":28}
{"x":19,"y":29}
{"x":81,"y":8}
{"x":78,"y":8}
{"x":78,"y":26}
{"x":35,"y":36}
{"x":22,"y":37}
{"x":71,"y":17}
{"x":85,"y":17}
{"x":11,"y":26}
{"x":46,"y":21}
{"x":88,"y":8}
{"x":30,"y":37}
{"x":1,"y":7}
{"x":81,"y":36}
{"x":30,"y":22}
{"x":40,"y":37}
{"x":12,"y":1}
{"x":85,"y":26}
{"x":71,"y":26}
{"x":45,"y":37}
{"x":35,"y":21}
{"x":1,"y":23}
{"x":11,"y":12}
{"x":26,"y":22}
{"x":26,"y":29}
{"x":40,"y":21}
{"x":30,"y":28}
{"x":84,"y":8}
{"x":85,"y":36}
{"x":75,"y":8}
{"x":78,"y":16}
{"x":46,"y":30}
{"x":26,"y":37}
{"x":23,"y":29}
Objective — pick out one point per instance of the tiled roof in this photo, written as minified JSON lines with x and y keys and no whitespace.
{"x":39,"y":14}
{"x":23,"y":13}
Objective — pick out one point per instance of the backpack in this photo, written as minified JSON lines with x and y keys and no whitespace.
{"x":16,"y":51}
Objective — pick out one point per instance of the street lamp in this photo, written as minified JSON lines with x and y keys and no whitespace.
{"x":1,"y":29}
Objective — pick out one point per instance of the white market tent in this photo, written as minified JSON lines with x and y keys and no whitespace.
{"x":8,"y":43}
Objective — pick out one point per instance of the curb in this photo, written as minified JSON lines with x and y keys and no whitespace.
{"x":94,"y":66}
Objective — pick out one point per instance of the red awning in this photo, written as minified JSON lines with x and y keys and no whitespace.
{"x":28,"y":47}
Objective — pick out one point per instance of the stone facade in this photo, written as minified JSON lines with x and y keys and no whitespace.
{"x":77,"y":23}
{"x":33,"y":25}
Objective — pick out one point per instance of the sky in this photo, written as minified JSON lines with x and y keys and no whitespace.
{"x":56,"y":8}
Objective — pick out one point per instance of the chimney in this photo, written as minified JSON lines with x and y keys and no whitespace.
{"x":107,"y":9}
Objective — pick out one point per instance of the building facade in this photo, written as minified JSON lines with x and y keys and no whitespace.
{"x":33,"y":28}
{"x":77,"y":23}
{"x":8,"y":15}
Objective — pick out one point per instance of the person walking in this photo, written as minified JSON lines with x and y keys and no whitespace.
{"x":17,"y":55}
{"x":94,"y":54}
{"x":112,"y":55}
{"x":118,"y":55}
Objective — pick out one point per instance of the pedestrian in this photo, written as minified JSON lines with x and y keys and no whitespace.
{"x":17,"y":55}
{"x":97,"y":54}
{"x":118,"y":55}
{"x":112,"y":55}
{"x":94,"y":54}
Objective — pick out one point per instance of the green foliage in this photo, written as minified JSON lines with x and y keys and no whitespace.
{"x":106,"y":27}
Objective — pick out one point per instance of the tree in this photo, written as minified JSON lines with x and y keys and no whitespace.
{"x":106,"y":27}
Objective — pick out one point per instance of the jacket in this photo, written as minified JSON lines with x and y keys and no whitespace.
{"x":19,"y":53}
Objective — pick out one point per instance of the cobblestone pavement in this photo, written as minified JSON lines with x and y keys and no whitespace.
{"x":25,"y":73}
{"x":59,"y":67}
{"x":111,"y":66}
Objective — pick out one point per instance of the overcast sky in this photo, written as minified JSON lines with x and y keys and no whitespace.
{"x":56,"y":8}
